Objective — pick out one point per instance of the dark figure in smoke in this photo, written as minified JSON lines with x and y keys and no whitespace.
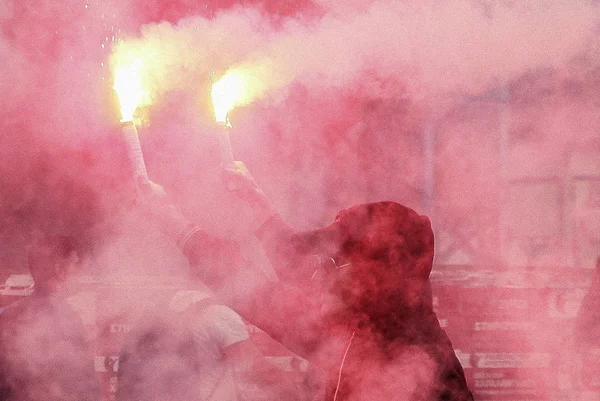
{"x":44,"y":354}
{"x":367,"y":324}
{"x":375,"y":333}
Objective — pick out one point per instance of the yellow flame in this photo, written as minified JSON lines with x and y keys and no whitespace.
{"x":228,"y":92}
{"x":129,"y":87}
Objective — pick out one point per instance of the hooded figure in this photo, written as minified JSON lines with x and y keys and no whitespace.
{"x":372,"y":327}
{"x":353,"y":298}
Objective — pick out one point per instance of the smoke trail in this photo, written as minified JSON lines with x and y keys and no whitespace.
{"x":452,"y":46}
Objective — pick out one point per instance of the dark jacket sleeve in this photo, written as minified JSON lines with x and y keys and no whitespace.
{"x":294,"y":302}
{"x":275,"y":236}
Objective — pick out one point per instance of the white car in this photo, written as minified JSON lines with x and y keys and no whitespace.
{"x":17,"y":285}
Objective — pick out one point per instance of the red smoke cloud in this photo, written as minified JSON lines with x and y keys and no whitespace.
{"x":355,"y":88}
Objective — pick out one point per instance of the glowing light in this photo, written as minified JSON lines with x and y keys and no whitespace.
{"x":228,"y":92}
{"x":129,"y":88}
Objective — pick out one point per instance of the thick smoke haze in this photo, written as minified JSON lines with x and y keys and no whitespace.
{"x":459,"y":46}
{"x":427,"y":56}
{"x":482,"y":114}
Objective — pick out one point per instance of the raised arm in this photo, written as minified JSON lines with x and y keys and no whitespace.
{"x":274,"y":233}
{"x":285,"y":311}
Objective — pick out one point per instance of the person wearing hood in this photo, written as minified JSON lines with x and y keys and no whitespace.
{"x":354,"y":299}
{"x":369,"y":304}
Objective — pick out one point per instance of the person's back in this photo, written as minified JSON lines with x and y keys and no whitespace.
{"x":197,"y":349}
{"x":417,"y":364}
{"x":174,"y":354}
{"x":158,"y":361}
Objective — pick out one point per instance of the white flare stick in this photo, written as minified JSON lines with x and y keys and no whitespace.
{"x":226,"y":150}
{"x":134,"y":150}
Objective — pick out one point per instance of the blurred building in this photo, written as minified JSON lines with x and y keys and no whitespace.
{"x":515,"y":175}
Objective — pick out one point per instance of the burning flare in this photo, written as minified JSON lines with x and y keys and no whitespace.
{"x":129,"y":88}
{"x":229,"y":91}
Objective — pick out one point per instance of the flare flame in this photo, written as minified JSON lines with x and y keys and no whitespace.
{"x":129,"y":87}
{"x":228,"y":92}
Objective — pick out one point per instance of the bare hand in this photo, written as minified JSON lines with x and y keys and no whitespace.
{"x":241,"y":183}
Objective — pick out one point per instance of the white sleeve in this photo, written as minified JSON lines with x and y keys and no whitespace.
{"x":225,"y":325}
